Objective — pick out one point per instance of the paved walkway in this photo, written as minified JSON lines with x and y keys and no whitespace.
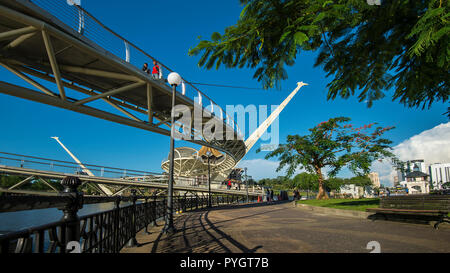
{"x":281,"y":228}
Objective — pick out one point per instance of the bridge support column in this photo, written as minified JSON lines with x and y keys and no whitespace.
{"x":70,"y":210}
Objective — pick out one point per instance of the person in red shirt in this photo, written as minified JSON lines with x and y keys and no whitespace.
{"x":155,"y":70}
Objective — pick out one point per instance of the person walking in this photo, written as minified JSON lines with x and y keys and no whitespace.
{"x":271,"y":195}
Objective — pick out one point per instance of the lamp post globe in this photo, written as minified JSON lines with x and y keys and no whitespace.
{"x":174,"y":79}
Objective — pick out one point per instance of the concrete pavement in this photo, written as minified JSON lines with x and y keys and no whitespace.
{"x":282,"y":228}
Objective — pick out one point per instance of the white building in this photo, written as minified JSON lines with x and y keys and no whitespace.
{"x":357,"y":191}
{"x":416,"y":183}
{"x":410,"y":166}
{"x":352,"y":189}
{"x":439,"y":174}
{"x":375,"y":179}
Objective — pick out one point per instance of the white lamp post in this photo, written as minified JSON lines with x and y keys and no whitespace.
{"x":174,"y":80}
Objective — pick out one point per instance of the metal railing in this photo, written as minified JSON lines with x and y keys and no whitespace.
{"x":66,"y":167}
{"x":103,"y":232}
{"x":81,"y":21}
{"x":39,"y":163}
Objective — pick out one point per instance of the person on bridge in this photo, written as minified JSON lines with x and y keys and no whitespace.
{"x":156,"y":71}
{"x":145,"y":68}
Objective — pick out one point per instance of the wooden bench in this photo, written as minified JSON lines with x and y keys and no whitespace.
{"x":425,"y":206}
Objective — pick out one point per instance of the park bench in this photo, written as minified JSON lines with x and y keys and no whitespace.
{"x":426,"y":207}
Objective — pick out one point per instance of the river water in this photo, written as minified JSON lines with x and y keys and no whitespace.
{"x":15,"y":221}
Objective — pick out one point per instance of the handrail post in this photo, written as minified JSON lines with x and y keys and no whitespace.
{"x":133,"y":242}
{"x":117,"y":224}
{"x":154,"y":211}
{"x":70,"y":218}
{"x":184,"y":202}
{"x":147,"y":214}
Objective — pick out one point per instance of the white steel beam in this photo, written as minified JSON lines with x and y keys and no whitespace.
{"x":110,"y":93}
{"x":53,"y":63}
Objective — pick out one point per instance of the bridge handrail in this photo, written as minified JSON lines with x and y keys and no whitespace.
{"x":75,"y":17}
{"x":47,"y":161}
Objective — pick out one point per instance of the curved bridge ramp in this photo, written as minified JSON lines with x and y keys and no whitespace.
{"x":74,"y":62}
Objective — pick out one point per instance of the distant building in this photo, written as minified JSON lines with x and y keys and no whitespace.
{"x":352,"y":189}
{"x":410,"y":166}
{"x":374,"y":179}
{"x":396,"y":181}
{"x":417,"y":182}
{"x":439,"y":174}
{"x":357,"y":191}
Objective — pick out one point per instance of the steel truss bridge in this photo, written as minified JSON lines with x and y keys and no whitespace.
{"x":119,"y":181}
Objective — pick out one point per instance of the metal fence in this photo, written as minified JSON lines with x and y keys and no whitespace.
{"x":103,"y":232}
{"x":53,"y":165}
{"x":66,"y":167}
{"x":81,"y":21}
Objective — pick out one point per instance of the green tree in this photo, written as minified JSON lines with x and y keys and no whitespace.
{"x":334,"y":183}
{"x":364,"y":48}
{"x":333,"y":144}
{"x":306,"y":181}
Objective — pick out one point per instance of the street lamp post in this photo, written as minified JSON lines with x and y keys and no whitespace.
{"x":209,"y":182}
{"x":174,"y":80}
{"x":246,"y":182}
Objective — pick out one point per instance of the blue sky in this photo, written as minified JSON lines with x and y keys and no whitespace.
{"x":167,"y":32}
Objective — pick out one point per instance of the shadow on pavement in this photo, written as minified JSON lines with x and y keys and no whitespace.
{"x":197,"y":233}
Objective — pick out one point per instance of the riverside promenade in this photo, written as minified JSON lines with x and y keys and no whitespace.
{"x":283,"y":228}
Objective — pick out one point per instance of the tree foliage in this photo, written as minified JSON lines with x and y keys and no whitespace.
{"x":363,"y":48}
{"x":334,"y":144}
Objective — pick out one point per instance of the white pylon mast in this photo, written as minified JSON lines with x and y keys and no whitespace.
{"x":86,"y":170}
{"x":256,"y":135}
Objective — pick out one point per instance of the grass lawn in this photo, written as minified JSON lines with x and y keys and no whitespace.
{"x":350,"y":204}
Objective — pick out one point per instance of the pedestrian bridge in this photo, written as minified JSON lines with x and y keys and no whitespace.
{"x":75,"y":62}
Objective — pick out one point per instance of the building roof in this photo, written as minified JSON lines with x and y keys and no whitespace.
{"x":416,"y":174}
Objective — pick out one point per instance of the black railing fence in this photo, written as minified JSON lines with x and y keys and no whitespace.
{"x":102,"y":232}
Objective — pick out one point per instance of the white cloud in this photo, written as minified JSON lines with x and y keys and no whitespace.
{"x":432,"y":146}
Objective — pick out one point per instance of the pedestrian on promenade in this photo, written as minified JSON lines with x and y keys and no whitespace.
{"x":271,"y":195}
{"x":229,"y":184}
{"x":296,"y":194}
{"x":268,"y":195}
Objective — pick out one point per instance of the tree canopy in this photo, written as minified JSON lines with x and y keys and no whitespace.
{"x":365,"y":49}
{"x":334,"y":144}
